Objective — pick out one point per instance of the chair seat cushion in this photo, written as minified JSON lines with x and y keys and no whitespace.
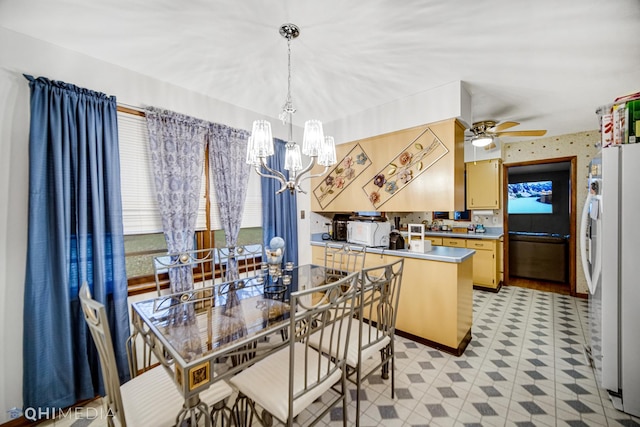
{"x":369,"y":335}
{"x":267,"y":382}
{"x":152,"y":399}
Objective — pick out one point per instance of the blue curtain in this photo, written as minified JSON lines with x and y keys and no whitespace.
{"x":75,"y":235}
{"x":279,"y":211}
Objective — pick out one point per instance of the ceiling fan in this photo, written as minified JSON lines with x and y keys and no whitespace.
{"x":485,"y":132}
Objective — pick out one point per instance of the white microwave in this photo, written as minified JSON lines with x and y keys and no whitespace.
{"x":369,"y":233}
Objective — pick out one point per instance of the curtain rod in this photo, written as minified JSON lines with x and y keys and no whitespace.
{"x":131,"y":109}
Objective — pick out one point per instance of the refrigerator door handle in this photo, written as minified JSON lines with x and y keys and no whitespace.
{"x":583,"y":243}
{"x":597,"y":268}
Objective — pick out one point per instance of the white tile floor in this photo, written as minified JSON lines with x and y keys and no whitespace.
{"x":525,"y":366}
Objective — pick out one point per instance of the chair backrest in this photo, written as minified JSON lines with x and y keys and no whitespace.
{"x":378,"y":301}
{"x":96,"y":317}
{"x":313,"y":311}
{"x":246,"y":258}
{"x":185,"y":270}
{"x":346,"y":257}
{"x":202,"y":267}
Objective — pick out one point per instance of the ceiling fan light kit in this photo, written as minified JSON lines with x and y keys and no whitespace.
{"x":481,"y":140}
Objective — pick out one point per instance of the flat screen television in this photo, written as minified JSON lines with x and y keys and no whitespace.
{"x":530,"y":197}
{"x":457,"y":215}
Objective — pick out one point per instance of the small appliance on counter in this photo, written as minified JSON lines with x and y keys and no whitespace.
{"x":396,"y":241}
{"x":416,"y":240}
{"x":369,"y":233}
{"x":480,"y":228}
{"x":339,"y":227}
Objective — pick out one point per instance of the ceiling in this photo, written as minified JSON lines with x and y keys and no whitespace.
{"x":547,"y":64}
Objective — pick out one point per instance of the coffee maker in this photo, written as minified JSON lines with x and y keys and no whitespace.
{"x":339,"y":227}
{"x":396,"y":241}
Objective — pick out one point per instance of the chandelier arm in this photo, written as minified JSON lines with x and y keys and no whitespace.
{"x":304,"y":178}
{"x":279,"y":177}
{"x":266,"y":175}
{"x":284,"y":187}
{"x":277,"y":174}
{"x":305,"y":170}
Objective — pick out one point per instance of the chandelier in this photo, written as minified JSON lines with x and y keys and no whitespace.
{"x":320,"y":149}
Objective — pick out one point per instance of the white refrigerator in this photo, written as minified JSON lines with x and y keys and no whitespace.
{"x":610,"y":229}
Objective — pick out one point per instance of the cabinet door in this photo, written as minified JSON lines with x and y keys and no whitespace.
{"x":484,"y":268}
{"x":483,"y":184}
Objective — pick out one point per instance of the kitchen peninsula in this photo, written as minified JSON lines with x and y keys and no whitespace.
{"x":436,"y":298}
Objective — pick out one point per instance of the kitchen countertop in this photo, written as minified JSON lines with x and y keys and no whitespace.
{"x":437,"y":253}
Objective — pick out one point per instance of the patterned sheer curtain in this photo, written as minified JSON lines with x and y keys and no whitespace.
{"x":177,"y":155}
{"x":75,"y":235}
{"x":227,"y":155}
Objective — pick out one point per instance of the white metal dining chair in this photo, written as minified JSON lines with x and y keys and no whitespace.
{"x":185,"y":270}
{"x":286,"y":382}
{"x":247,"y":259}
{"x":376,"y":309}
{"x":150,"y":399}
{"x":345,"y":257}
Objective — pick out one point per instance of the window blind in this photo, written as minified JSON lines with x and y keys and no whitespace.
{"x":252,"y":214}
{"x":140,"y":212}
{"x":139,"y":205}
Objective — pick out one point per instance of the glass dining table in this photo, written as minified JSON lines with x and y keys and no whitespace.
{"x":210,"y":333}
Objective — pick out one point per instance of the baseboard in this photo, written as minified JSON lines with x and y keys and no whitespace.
{"x":488,"y":289}
{"x":451,"y":350}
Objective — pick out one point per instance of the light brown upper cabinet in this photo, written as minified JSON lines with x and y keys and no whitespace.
{"x":484,"y":184}
{"x":417,"y":169}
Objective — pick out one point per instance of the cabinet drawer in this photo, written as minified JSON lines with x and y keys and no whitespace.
{"x":480,"y":244}
{"x":458,"y":243}
{"x":435,"y":241}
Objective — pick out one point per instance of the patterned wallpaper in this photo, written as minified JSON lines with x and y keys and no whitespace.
{"x":583,"y":145}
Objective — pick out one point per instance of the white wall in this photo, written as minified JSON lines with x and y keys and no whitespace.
{"x":451,"y":100}
{"x":20,"y":54}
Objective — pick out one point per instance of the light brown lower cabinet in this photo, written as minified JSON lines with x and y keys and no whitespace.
{"x":486,"y":265}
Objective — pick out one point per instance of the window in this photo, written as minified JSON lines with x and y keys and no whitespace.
{"x":142,"y":222}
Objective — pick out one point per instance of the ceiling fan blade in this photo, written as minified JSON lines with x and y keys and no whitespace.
{"x":503,"y":126}
{"x":490,"y":146}
{"x":522,"y":133}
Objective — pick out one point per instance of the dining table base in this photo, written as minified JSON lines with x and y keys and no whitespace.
{"x":193,"y":410}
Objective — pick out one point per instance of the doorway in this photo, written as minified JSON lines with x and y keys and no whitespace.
{"x":540,"y":224}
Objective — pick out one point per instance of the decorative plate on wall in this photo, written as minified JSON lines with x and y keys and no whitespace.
{"x":343,"y":174}
{"x":417,"y":157}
